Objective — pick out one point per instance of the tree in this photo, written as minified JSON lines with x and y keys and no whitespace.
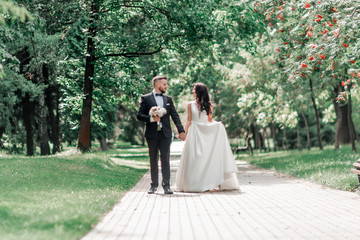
{"x":315,"y":41}
{"x":145,"y":28}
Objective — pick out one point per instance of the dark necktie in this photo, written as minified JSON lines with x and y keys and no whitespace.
{"x":158,"y":94}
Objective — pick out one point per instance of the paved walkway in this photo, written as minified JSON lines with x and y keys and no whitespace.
{"x":269,"y":206}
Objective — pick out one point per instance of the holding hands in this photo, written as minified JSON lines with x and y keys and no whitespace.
{"x":182,"y":136}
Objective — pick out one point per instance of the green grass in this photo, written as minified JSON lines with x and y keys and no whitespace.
{"x":327,"y":167}
{"x":59,"y":197}
{"x":126,"y":149}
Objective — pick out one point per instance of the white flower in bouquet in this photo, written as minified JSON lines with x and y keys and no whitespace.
{"x":157,"y":111}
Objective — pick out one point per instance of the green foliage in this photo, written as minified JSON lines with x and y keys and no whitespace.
{"x":11,"y":11}
{"x":59,"y":197}
{"x":328,"y":167}
{"x":314,"y":40}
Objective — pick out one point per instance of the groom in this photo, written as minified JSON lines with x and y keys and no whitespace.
{"x":159,"y":139}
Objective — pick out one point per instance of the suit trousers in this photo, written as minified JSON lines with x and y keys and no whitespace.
{"x":156,"y":144}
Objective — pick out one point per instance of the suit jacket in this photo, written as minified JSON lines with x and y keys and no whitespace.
{"x":147,"y":102}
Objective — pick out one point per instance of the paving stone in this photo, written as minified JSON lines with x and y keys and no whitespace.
{"x":269,"y":206}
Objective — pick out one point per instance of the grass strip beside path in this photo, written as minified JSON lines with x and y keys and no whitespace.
{"x":59,"y":197}
{"x":327,"y":167}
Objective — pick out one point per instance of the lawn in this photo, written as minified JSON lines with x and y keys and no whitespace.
{"x":327,"y":167}
{"x":60,"y":197}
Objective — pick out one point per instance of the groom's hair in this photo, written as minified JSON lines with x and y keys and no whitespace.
{"x":158,"y":78}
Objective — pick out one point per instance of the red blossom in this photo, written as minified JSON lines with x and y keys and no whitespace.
{"x":322,"y":56}
{"x":352,"y":61}
{"x":311,"y":58}
{"x":307,"y":5}
{"x":325,"y":31}
{"x":309,"y":33}
{"x":345,"y":45}
{"x":304,"y":65}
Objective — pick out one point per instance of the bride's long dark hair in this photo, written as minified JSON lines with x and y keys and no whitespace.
{"x":202,"y":97}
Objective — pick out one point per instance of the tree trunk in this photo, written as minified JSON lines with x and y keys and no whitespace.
{"x":52,"y":102}
{"x":54,"y":117}
{"x":307,"y":131}
{"x":103,"y":144}
{"x":345,"y":131}
{"x":318,"y":128}
{"x":84,"y":131}
{"x":351,"y":125}
{"x":268,"y":138}
{"x":342,"y":129}
{"x":56,"y":129}
{"x":258,"y":140}
{"x":43,"y":124}
{"x":298,"y":137}
{"x":265,"y":139}
{"x":28,"y":108}
{"x":284,"y":140}
{"x":2,"y":130}
{"x":273,"y":133}
{"x":28,"y":115}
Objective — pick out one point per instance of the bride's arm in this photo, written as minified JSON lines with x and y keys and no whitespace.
{"x":210,"y":115}
{"x":188,"y":121}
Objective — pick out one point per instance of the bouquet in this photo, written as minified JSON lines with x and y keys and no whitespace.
{"x":157,"y":111}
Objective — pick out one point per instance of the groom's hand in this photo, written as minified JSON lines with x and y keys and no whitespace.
{"x":182,"y":136}
{"x":156,"y":119}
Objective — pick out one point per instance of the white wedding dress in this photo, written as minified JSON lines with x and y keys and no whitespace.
{"x":207,"y":161}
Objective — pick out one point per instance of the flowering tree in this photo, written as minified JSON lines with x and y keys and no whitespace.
{"x":315,"y":48}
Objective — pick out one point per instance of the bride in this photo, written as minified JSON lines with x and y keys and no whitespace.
{"x":207,"y":161}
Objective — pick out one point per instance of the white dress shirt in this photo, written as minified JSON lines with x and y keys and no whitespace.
{"x":159,"y":99}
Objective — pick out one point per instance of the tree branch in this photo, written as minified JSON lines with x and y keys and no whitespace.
{"x":128,"y":5}
{"x":129,"y":54}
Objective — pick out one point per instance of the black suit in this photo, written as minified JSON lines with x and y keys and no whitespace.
{"x":159,"y":140}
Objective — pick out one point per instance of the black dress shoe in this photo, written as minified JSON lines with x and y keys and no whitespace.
{"x":167,"y":190}
{"x":152,"y":190}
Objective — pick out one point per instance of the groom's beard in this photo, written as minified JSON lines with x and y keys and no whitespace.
{"x":162,"y":90}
